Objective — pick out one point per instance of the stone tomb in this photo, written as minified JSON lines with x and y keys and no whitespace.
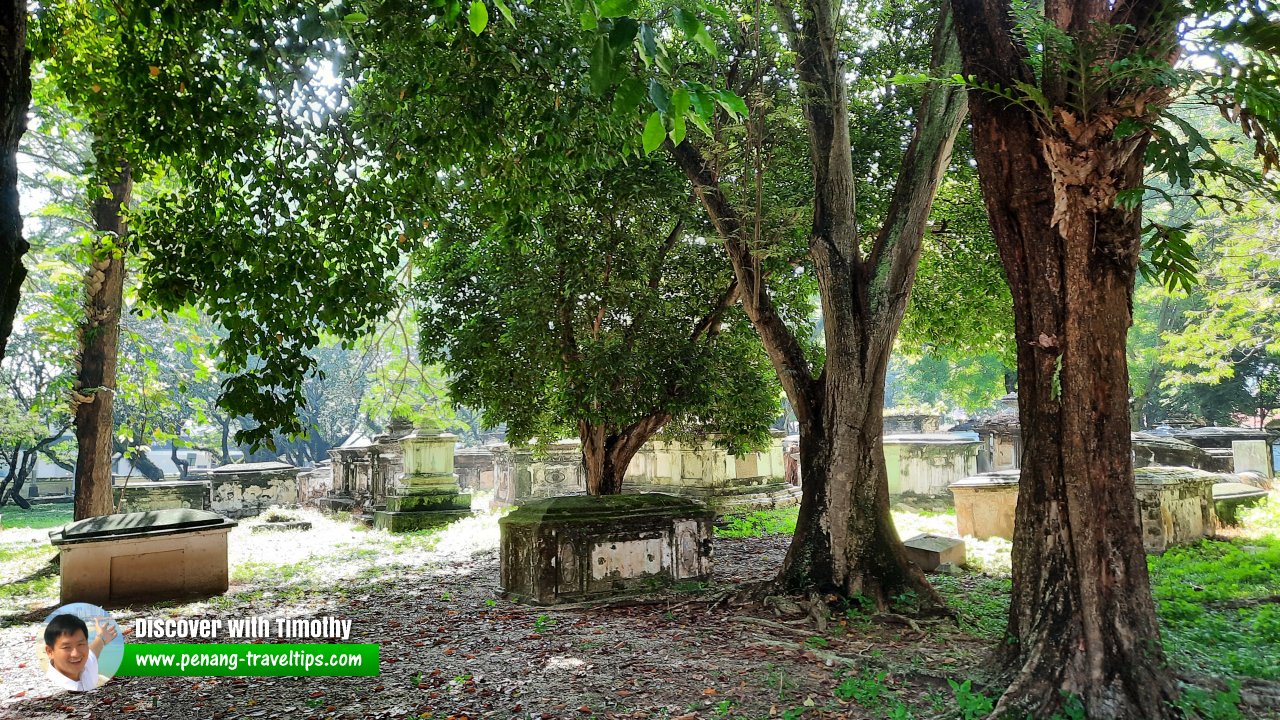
{"x":1175,"y":505}
{"x":933,"y":551}
{"x":572,"y":548}
{"x":708,"y":473}
{"x":153,"y":555}
{"x":427,"y":493}
{"x":704,"y":472}
{"x":927,"y":464}
{"x":246,"y":489}
{"x":986,"y":504}
{"x":142,"y":494}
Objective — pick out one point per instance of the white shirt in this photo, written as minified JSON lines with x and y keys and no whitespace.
{"x":88,"y":676}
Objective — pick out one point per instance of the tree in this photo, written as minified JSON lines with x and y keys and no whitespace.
{"x":1066,"y":108}
{"x":598,"y":315}
{"x":104,"y":62}
{"x":15,"y":97}
{"x":845,"y":540}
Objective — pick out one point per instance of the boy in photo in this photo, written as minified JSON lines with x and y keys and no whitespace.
{"x":73,"y":660}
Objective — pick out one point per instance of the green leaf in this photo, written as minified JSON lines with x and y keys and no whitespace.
{"x":703,"y":38}
{"x":731,"y":102}
{"x":628,"y":95}
{"x":588,"y":20}
{"x":478,"y":17}
{"x":658,"y":94}
{"x":601,"y":73}
{"x":680,"y":101}
{"x":688,"y":23}
{"x":506,"y":11}
{"x":654,"y":132}
{"x":355,"y":18}
{"x":616,"y":8}
{"x":648,"y":42}
{"x":623,"y":33}
{"x":677,"y":129}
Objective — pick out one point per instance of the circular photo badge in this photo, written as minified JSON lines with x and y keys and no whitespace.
{"x":82,"y":647}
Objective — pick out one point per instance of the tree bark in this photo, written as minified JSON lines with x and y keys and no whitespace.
{"x":1082,"y":621}
{"x":15,"y":88}
{"x":99,"y":338}
{"x":606,"y":452}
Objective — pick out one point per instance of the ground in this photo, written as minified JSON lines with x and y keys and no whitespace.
{"x":451,"y":646}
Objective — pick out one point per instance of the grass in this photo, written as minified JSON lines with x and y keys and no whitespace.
{"x":1197,"y":589}
{"x":780,"y":521}
{"x":39,"y":517}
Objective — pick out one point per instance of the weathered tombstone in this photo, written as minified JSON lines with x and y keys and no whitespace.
{"x":709,"y":474}
{"x":931,"y":551}
{"x":1152,"y":449}
{"x":1252,"y":456}
{"x":141,"y":495}
{"x":1175,"y":505}
{"x":153,"y":555}
{"x":927,"y":464}
{"x":578,"y":547}
{"x":242,"y":490}
{"x":427,"y":494}
{"x":986,"y":504}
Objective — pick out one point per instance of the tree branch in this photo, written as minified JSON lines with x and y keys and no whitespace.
{"x":785,"y":351}
{"x":896,"y":251}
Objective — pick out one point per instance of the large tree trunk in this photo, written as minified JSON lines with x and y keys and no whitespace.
{"x":1082,"y":621}
{"x":845,"y":541}
{"x":606,"y":454}
{"x":15,"y":97}
{"x":99,"y":339}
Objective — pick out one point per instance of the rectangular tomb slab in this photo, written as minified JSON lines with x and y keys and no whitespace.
{"x":573,"y":548}
{"x":930,"y":551}
{"x":153,"y":555}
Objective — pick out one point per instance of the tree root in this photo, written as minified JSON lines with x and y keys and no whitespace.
{"x":1244,"y":603}
{"x":1264,"y":694}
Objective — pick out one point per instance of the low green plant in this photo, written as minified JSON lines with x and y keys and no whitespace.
{"x":542,"y":623}
{"x":779,"y":521}
{"x":1209,"y":598}
{"x":1212,"y":704}
{"x":972,"y":704}
{"x":866,"y":690}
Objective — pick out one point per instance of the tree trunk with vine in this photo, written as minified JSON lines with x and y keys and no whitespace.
{"x":99,"y":333}
{"x":1082,"y":621}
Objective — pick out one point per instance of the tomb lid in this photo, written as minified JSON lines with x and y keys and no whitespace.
{"x":991,"y":479}
{"x":941,"y":438}
{"x":151,"y":522}
{"x":1163,"y":475}
{"x":1236,"y":491}
{"x":1005,"y":421}
{"x":430,"y":434}
{"x":1149,"y":439}
{"x":932,"y":543}
{"x":238,"y":468}
{"x":1221,"y":437}
{"x":614,"y":509}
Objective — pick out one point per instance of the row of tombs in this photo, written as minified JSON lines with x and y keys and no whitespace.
{"x":561,"y":547}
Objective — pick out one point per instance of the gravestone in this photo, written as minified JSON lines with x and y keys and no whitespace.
{"x":572,"y":548}
{"x":427,"y":493}
{"x":931,"y":551}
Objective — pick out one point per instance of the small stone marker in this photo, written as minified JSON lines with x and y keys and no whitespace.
{"x":931,"y":551}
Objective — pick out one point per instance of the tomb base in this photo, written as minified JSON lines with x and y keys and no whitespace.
{"x":567,"y":549}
